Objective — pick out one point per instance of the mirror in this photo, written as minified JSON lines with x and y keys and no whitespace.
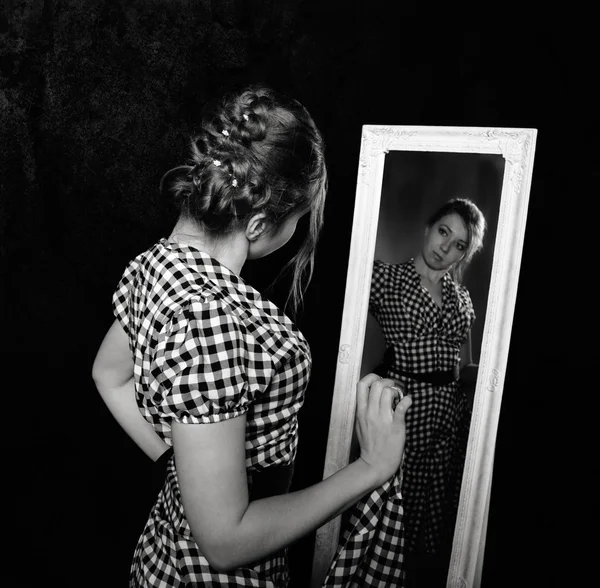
{"x":405,"y":174}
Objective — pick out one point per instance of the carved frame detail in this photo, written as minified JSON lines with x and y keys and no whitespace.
{"x":517,"y":146}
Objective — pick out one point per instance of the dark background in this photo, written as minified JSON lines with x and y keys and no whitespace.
{"x":97,"y":100}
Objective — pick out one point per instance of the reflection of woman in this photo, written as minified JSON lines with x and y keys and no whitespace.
{"x":426,"y":316}
{"x":200,"y":369}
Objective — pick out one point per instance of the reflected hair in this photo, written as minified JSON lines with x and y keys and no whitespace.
{"x":257,"y":151}
{"x":475,"y":224}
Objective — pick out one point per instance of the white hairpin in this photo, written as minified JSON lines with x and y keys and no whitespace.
{"x":245,"y":116}
{"x":225,"y":132}
{"x":216,"y":162}
{"x":234,"y":182}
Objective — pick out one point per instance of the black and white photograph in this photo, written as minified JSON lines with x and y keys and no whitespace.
{"x":428,"y":200}
{"x":287,"y":292}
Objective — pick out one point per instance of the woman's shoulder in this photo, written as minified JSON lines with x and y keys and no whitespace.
{"x":152,"y":259}
{"x":394,"y":270}
{"x":188,"y":284}
{"x":238,"y":305}
{"x":391,"y":279}
{"x":463,"y":296}
{"x":222,"y":318}
{"x":462,"y":290}
{"x":393,"y":266}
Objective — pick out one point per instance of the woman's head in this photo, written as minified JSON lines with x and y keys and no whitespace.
{"x":257,"y":153}
{"x":454,"y":233}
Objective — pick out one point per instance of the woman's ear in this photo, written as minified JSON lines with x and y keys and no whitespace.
{"x":257,"y":225}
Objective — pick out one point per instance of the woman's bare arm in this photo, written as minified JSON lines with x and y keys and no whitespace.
{"x":230,"y":530}
{"x":113,"y":375}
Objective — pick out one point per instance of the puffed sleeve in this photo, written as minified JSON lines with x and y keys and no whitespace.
{"x":378,"y":284}
{"x":466,"y":312}
{"x":207,"y":366}
{"x":466,"y":304}
{"x":121,"y":299}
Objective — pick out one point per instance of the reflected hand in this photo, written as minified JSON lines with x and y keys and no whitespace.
{"x":380,"y":428}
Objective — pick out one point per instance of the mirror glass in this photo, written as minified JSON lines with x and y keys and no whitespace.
{"x":421,"y":308}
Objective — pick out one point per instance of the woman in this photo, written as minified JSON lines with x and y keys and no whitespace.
{"x":426,"y":315}
{"x":198,"y":365}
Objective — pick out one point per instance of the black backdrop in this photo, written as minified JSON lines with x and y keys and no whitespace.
{"x":97,"y":100}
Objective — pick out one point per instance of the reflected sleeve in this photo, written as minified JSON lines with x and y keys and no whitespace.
{"x":466,"y":305}
{"x":200,"y":367}
{"x":378,"y":284}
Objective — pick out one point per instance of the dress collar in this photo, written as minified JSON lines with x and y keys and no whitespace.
{"x":220,"y":275}
{"x":446,"y":278}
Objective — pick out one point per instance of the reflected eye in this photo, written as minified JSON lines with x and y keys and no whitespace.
{"x":442,"y":232}
{"x":460,"y":247}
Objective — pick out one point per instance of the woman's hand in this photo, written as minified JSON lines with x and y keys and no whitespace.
{"x":233,"y":531}
{"x":380,"y":428}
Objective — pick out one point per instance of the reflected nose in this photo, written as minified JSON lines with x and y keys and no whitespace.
{"x":445,"y":246}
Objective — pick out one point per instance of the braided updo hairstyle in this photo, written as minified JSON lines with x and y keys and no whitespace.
{"x":256,"y":152}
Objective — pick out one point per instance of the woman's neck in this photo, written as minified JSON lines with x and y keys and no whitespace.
{"x":230,"y":250}
{"x":426,"y":272}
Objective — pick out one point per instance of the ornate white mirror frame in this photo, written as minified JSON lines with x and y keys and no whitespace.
{"x":517,"y":147}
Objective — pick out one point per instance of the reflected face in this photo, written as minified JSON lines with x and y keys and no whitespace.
{"x":445,"y":243}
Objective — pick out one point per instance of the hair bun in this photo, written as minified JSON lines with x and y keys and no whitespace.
{"x":174,"y":183}
{"x":256,"y":151}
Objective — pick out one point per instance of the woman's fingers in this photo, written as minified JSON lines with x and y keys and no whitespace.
{"x":380,"y":428}
{"x":369,"y":379}
{"x":369,"y":393}
{"x":362,"y":392}
{"x":402,"y":407}
{"x":374,"y":399}
{"x":380,"y":396}
{"x":376,"y":394}
{"x":377,"y":397}
{"x":385,"y":401}
{"x":397,"y":396}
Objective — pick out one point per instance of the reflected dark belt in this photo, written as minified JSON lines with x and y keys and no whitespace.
{"x":438,"y":378}
{"x":268,"y":482}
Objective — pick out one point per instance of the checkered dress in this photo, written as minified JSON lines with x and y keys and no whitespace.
{"x":207,"y":348}
{"x":422,"y":498}
{"x":426,"y":338}
{"x":370,"y":552}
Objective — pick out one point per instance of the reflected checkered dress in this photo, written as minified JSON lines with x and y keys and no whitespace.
{"x":423,"y":496}
{"x":206,"y":348}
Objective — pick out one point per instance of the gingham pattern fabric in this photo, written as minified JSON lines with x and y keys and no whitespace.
{"x":370,"y":552}
{"x":206,"y":348}
{"x":426,"y":338}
